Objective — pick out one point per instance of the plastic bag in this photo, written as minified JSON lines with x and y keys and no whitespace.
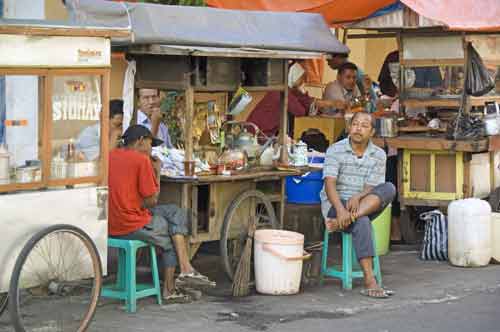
{"x":435,"y":246}
{"x":479,"y":81}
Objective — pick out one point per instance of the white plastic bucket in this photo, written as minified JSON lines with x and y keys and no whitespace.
{"x":278,"y":261}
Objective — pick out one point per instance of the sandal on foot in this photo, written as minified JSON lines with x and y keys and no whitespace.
{"x":376,"y":293}
{"x":177,"y":296}
{"x":194,"y":278}
{"x":389,"y":292}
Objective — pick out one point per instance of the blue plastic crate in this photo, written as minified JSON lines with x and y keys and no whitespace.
{"x":304,"y":189}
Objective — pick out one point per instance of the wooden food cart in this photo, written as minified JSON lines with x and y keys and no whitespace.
{"x":433,"y":169}
{"x":54,"y":87}
{"x":212,"y":55}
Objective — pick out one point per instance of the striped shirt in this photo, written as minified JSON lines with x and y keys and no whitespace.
{"x":352,"y":173}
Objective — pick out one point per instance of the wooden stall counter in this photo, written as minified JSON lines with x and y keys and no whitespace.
{"x":425,"y":142}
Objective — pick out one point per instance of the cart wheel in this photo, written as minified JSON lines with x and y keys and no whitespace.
{"x":56,"y":281}
{"x":408,"y":225}
{"x":235,"y":228}
{"x":494,"y":200}
{"x":3,"y":302}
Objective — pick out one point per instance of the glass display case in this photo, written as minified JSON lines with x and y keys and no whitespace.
{"x":51,"y":133}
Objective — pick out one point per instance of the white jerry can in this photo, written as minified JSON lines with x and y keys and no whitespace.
{"x":469,"y":233}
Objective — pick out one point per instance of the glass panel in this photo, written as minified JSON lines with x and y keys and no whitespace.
{"x":20,"y":130}
{"x":434,"y":81}
{"x":76,"y":128}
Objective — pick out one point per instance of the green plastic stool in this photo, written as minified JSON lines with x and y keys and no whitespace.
{"x":126,"y":287}
{"x":350,"y":267}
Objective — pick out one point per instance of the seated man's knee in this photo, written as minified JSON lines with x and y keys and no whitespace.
{"x":391,"y":190}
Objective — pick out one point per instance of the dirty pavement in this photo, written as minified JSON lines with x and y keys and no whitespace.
{"x":430,"y":296}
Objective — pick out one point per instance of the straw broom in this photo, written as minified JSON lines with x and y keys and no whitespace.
{"x":241,"y":278}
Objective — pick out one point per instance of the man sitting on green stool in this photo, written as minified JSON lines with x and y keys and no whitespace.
{"x":135,"y":215}
{"x":355,"y":192}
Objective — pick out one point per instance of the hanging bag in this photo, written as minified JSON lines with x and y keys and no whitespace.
{"x":435,"y":246}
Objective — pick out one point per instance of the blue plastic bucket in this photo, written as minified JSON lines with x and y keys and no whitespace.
{"x":304,"y":189}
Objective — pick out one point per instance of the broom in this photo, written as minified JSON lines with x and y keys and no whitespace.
{"x":241,"y":278}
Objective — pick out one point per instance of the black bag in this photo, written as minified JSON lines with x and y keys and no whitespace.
{"x":315,"y":140}
{"x":479,"y":81}
{"x":435,"y":246}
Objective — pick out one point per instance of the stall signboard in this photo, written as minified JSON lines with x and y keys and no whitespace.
{"x":54,"y":51}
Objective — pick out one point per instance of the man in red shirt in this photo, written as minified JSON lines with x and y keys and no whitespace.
{"x":134,"y":213}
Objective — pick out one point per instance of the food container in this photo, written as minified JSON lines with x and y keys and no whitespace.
{"x":59,"y":168}
{"x":492,"y":121}
{"x":28,"y":174}
{"x":82,"y":169}
{"x":386,"y":127}
{"x":4,"y":165}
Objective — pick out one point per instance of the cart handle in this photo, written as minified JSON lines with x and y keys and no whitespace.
{"x":270,"y":250}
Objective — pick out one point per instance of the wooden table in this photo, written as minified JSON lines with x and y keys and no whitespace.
{"x":220,"y":207}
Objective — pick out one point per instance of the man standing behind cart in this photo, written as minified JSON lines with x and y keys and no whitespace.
{"x":355,"y":192}
{"x":150,"y":116}
{"x":135,"y":215}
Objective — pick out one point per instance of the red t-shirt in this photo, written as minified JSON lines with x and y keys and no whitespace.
{"x":131,"y":179}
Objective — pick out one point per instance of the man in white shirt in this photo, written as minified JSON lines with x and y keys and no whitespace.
{"x":149,"y":115}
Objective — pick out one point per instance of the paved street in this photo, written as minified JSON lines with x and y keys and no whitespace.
{"x":430,"y":296}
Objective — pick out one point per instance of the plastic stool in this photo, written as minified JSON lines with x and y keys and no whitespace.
{"x":126,"y":287}
{"x":350,"y":267}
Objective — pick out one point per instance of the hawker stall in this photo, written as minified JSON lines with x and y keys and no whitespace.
{"x":445,"y":124}
{"x":54,"y":91}
{"x":222,"y":171}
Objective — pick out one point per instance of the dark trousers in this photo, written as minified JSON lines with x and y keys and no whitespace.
{"x":361,"y":228}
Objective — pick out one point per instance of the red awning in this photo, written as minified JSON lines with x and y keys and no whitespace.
{"x":463,"y":15}
{"x":334,"y":11}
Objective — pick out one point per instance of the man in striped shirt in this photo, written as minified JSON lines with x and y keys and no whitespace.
{"x":355,"y":192}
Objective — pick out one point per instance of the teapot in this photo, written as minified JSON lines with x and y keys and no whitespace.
{"x":299,"y":154}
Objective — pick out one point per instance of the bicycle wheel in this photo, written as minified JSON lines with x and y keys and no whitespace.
{"x":56,"y":281}
{"x":3,"y":302}
{"x":248,"y":204}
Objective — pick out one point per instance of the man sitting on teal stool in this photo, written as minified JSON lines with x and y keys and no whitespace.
{"x":355,"y":192}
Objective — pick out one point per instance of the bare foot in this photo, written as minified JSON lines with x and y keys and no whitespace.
{"x":332,"y":224}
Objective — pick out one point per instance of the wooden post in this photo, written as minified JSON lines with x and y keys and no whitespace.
{"x":188,"y":125}
{"x":465,"y":103}
{"x":284,"y":116}
{"x":105,"y":85}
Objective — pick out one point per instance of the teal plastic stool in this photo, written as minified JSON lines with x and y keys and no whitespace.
{"x":350,"y":267}
{"x":126,"y":287}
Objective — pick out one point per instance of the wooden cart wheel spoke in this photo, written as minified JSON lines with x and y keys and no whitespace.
{"x":250,"y":205}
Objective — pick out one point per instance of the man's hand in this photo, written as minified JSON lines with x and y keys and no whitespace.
{"x":156,"y":115}
{"x":353,"y":204}
{"x":343,"y":218}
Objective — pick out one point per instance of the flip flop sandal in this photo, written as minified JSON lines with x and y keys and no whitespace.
{"x":194,"y":278}
{"x":389,"y":292}
{"x":176,"y":297}
{"x":375,"y":293}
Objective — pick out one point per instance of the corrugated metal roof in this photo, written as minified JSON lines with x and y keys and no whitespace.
{"x":221,"y":51}
{"x":209,"y":27}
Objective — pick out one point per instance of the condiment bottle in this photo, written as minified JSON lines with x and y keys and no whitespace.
{"x":70,"y":156}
